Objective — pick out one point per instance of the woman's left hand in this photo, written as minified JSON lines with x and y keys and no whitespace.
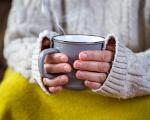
{"x":93,"y":66}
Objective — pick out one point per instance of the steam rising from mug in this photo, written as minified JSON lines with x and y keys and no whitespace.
{"x":48,"y":12}
{"x":52,"y":16}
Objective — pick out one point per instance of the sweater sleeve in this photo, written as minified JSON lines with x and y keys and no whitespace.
{"x":130,"y":73}
{"x":25,"y":23}
{"x":36,"y":76}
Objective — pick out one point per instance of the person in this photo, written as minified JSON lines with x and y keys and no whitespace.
{"x":116,"y":72}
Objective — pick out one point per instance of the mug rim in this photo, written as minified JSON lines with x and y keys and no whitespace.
{"x":73,"y":42}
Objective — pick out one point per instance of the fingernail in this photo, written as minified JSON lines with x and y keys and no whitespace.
{"x":86,"y":82}
{"x":78,"y":64}
{"x":83,"y":55}
{"x":52,"y":89}
{"x":79,"y":74}
{"x":67,"y":68}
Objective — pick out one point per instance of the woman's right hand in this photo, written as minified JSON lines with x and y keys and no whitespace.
{"x":56,"y":63}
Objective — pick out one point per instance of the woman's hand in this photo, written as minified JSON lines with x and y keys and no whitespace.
{"x":55,"y":63}
{"x":93,"y":66}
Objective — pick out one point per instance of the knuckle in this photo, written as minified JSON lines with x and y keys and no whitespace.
{"x":100,"y":67}
{"x":59,"y":80}
{"x":62,"y":80}
{"x":107,"y":67}
{"x":107,"y":55}
{"x":65,"y":78}
{"x":84,"y":65}
{"x":110,"y":56}
{"x":103,"y":77}
{"x":61,"y":57}
{"x":99,"y":78}
{"x":103,"y":67}
{"x":103,"y":55}
{"x":57,"y":57}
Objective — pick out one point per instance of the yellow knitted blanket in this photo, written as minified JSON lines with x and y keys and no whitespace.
{"x":20,"y":100}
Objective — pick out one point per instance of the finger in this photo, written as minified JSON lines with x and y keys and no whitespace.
{"x":92,"y":66}
{"x":101,"y":56}
{"x":56,"y":58}
{"x":55,"y":89}
{"x":92,"y":85}
{"x":57,"y":68}
{"x":91,"y":76}
{"x":58,"y":81}
{"x":111,"y":45}
{"x":45,"y":43}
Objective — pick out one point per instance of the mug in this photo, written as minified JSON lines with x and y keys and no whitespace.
{"x":71,"y":45}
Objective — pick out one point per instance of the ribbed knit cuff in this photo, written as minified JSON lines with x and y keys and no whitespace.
{"x":35,"y":70}
{"x":115,"y":84}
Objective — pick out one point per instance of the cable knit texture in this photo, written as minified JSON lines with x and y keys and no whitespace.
{"x":22,"y":33}
{"x":130,"y":73}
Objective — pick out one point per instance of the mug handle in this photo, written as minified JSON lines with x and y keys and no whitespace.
{"x":41,"y":62}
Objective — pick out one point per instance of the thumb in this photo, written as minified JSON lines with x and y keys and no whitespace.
{"x":111,"y":45}
{"x":46,"y":43}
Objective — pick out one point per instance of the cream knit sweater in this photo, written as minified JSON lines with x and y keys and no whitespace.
{"x":126,"y":19}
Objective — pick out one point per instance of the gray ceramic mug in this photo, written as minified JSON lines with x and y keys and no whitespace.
{"x":71,"y":45}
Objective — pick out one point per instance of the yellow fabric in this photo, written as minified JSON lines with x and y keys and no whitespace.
{"x":20,"y":100}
